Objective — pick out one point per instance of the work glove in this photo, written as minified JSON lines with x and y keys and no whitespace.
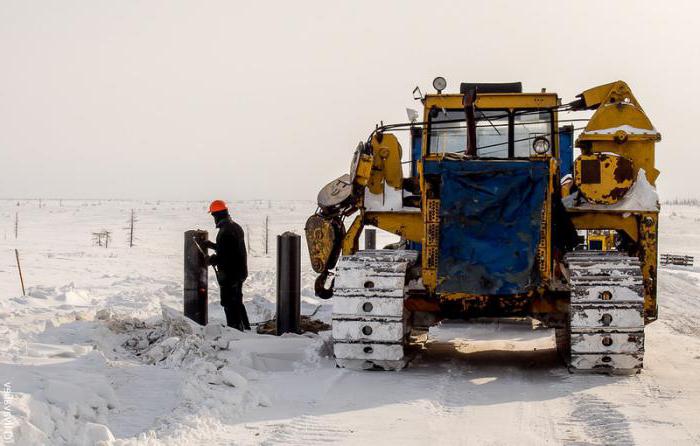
{"x":212,"y":260}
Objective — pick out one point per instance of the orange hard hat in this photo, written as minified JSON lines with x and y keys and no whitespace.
{"x":217,"y":206}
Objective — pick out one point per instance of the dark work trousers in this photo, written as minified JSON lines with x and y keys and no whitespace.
{"x":232,"y":301}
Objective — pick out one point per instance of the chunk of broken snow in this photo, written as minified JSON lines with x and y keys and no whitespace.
{"x":233,"y":379}
{"x":67,"y":294}
{"x":162,"y":350}
{"x":41,"y":292}
{"x":74,"y":297}
{"x":94,"y":433}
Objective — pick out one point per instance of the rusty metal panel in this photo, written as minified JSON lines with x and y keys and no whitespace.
{"x":604,"y":178}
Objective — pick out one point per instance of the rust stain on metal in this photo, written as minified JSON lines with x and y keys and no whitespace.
{"x":624,"y":170}
{"x":617,"y":193}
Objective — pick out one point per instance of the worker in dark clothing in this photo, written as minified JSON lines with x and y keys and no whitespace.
{"x":231,"y":265}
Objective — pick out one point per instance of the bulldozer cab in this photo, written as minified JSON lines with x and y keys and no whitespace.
{"x":488,"y":166}
{"x":529,"y":131}
{"x":506,"y":124}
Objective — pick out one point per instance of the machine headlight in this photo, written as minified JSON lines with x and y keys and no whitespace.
{"x":439,"y":83}
{"x":540,"y":145}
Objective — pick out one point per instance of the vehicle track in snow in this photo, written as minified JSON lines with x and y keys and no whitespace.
{"x":653,"y":391}
{"x":600,"y":422}
{"x":450,"y":393}
{"x":304,"y":430}
{"x":683,"y":309}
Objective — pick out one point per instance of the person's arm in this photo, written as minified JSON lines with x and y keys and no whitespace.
{"x":213,"y":259}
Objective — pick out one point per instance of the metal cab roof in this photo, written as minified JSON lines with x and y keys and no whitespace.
{"x":494,"y":100}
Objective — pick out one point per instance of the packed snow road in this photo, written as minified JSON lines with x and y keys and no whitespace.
{"x":97,"y":351}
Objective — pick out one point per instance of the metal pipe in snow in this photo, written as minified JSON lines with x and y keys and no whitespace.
{"x":288,"y":283}
{"x":196,"y":281}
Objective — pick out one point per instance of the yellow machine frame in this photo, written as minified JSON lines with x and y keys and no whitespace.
{"x":616,"y":147}
{"x":619,"y":126}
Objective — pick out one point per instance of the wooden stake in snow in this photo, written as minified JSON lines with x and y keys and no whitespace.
{"x":131,"y":230}
{"x":19,"y":268}
{"x":267,"y":233}
{"x":16,"y":224}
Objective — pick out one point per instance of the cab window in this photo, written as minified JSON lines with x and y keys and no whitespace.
{"x":528,"y":127}
{"x":448,"y":132}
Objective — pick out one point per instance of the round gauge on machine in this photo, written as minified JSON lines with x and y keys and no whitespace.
{"x":439,"y":83}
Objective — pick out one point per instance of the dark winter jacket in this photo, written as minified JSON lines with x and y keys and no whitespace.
{"x":231,"y":257}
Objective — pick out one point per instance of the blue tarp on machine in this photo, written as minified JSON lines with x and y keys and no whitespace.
{"x":490,"y":219}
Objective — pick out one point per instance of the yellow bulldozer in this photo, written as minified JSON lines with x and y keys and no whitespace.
{"x":487,"y":206}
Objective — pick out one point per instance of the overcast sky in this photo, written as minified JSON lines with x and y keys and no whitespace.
{"x":203,"y":99}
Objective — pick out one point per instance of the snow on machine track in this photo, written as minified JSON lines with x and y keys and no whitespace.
{"x":370,"y":324}
{"x":606,"y":319}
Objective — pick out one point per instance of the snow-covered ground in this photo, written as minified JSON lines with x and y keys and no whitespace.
{"x":97,"y":350}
